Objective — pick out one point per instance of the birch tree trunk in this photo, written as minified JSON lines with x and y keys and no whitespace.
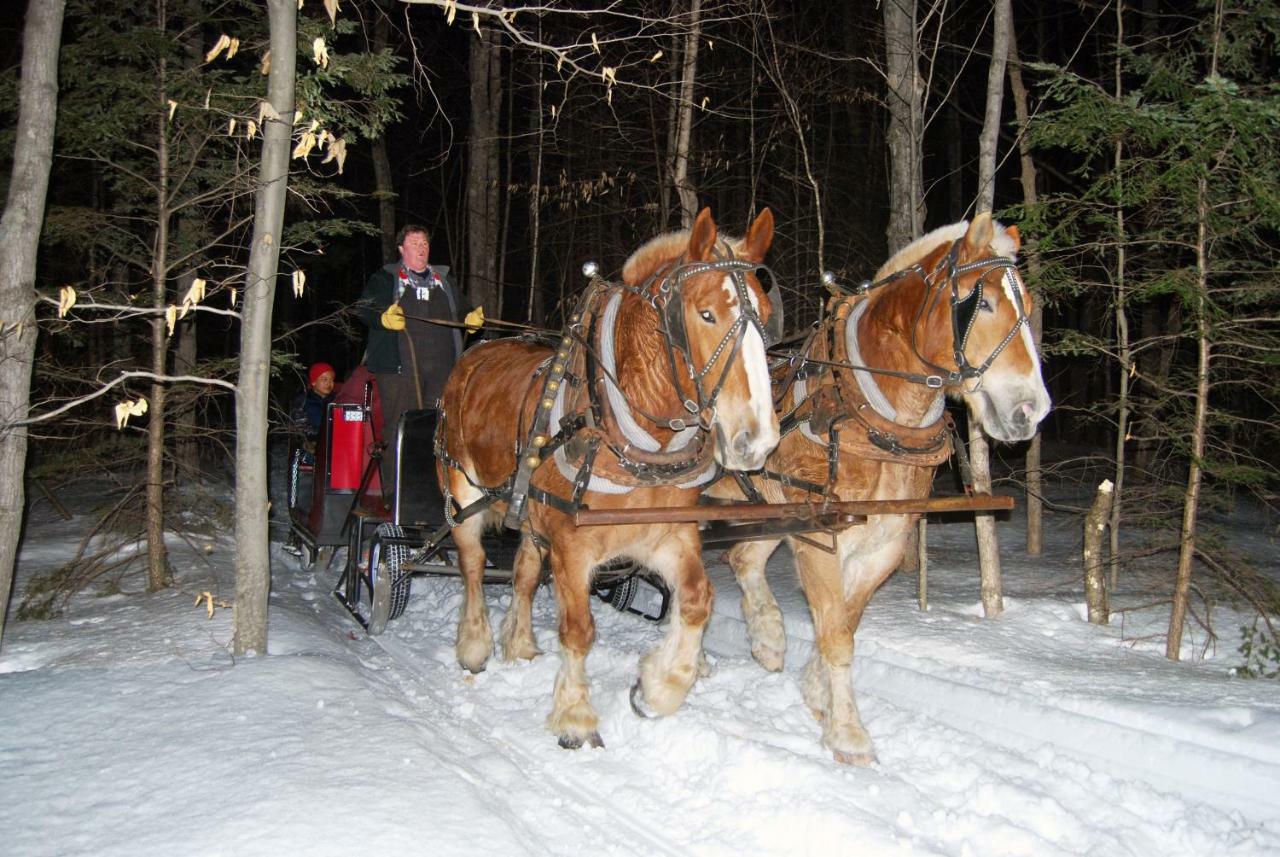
{"x":979,"y":451}
{"x":684,"y":119}
{"x":253,"y":557}
{"x":906,"y":124}
{"x":482,"y":170}
{"x":19,"y":241}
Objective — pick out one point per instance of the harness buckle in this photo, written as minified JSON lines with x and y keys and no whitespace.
{"x":934,"y":382}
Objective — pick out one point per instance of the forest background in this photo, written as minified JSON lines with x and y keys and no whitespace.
{"x":1136,"y":149}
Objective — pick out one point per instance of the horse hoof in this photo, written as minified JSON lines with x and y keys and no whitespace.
{"x":770,"y":658}
{"x":574,"y":742}
{"x":638,"y":704}
{"x":858,"y":760}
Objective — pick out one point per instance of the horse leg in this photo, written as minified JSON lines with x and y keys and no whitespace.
{"x":764,"y":619}
{"x":828,"y":679}
{"x":572,"y":719}
{"x":516,"y":634}
{"x":475,"y":638}
{"x":667,"y":672}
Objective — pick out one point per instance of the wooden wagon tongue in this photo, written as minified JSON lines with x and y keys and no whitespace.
{"x":833,"y":515}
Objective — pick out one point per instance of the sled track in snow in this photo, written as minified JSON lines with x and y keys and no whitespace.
{"x":610,"y":821}
{"x":1125,"y":742}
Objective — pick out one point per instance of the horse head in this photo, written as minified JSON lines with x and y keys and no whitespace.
{"x":974,"y":325}
{"x":714,"y":312}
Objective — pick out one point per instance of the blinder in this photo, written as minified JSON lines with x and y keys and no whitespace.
{"x":668,"y":302}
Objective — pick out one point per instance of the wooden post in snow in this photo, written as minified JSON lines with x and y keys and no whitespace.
{"x":1095,"y":578}
{"x":922,"y":562}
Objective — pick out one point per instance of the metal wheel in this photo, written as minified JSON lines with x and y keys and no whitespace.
{"x":388,"y":581}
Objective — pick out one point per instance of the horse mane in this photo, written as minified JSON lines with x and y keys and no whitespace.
{"x":918,"y":249}
{"x":658,"y":251}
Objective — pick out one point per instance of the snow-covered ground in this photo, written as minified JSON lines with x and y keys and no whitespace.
{"x":127,"y":728}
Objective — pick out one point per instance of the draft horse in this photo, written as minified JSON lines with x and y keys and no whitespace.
{"x":657,"y":382}
{"x":864,"y":421}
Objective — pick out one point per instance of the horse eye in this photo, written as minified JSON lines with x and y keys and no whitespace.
{"x":708,"y":316}
{"x":984,"y":305}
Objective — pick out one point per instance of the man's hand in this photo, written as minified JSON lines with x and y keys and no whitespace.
{"x":393,"y":318}
{"x":474,"y":319}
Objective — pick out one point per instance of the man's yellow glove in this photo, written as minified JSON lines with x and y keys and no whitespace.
{"x":393,"y":318}
{"x":474,"y":319}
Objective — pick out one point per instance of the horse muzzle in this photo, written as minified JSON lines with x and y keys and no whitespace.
{"x":1016,"y":420}
{"x":746,"y":450}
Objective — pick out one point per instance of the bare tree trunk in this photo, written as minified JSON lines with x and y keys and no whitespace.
{"x":906,"y":124}
{"x":905,"y":141}
{"x":979,"y":453}
{"x":534,"y":314}
{"x":1095,"y":579}
{"x":1122,"y":323}
{"x":482,"y":170}
{"x":19,"y":242}
{"x":1027,"y":177}
{"x":157,"y":553}
{"x":253,"y":555}
{"x":922,"y":562}
{"x":187,"y":449}
{"x":689,"y":71}
{"x":1191,"y":497}
{"x":989,"y":142}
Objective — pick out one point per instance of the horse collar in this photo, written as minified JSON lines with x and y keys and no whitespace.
{"x":866,"y":381}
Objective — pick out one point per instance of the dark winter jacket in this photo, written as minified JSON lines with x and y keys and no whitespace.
{"x":308,"y":413}
{"x":436,"y":348}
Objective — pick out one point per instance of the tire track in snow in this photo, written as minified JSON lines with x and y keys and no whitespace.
{"x":1020,"y":724}
{"x":604,"y":818}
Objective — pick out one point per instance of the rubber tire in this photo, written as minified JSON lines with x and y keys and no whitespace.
{"x":388,"y":580}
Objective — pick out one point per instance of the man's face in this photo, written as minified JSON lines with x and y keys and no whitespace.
{"x":414,"y":251}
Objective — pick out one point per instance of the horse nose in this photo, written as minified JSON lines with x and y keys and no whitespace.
{"x":1027,"y":414}
{"x":746,"y":450}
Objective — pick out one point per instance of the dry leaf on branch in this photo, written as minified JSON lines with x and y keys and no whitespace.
{"x":127,"y":409}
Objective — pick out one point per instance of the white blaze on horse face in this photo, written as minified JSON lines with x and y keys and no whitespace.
{"x":755,"y":437}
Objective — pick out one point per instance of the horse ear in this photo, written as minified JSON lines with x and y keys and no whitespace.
{"x":1014,"y":235}
{"x":978,"y":238}
{"x":702,"y":237}
{"x":759,"y":236}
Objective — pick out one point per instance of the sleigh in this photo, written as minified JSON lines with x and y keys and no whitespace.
{"x":336,"y":502}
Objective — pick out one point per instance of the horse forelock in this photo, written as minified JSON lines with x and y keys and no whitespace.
{"x":1002,"y":244}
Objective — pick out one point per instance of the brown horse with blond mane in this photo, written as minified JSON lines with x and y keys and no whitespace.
{"x":657,"y":382}
{"x":864,"y":421}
